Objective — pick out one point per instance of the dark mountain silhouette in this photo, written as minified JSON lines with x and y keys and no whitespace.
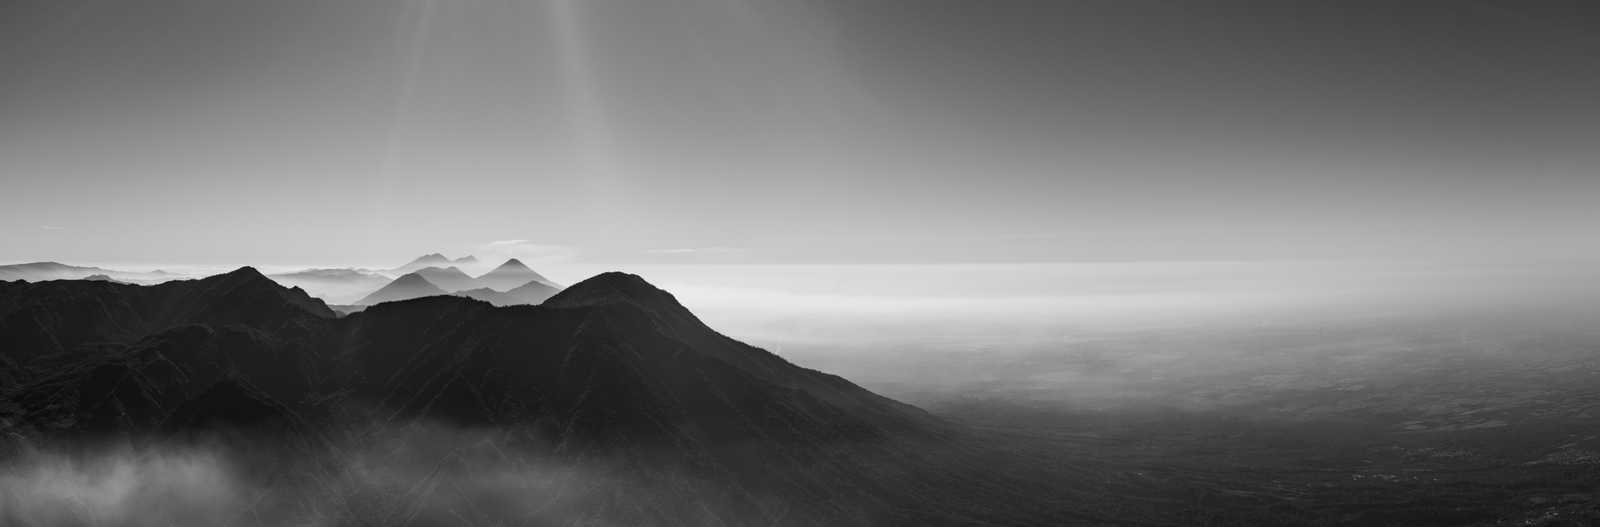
{"x":61,"y":317}
{"x":450,"y":279}
{"x":512,"y":274}
{"x":102,"y":278}
{"x":611,"y":370}
{"x":406,"y":287}
{"x":609,"y":359}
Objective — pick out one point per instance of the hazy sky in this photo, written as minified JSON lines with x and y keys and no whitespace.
{"x":793,"y":131}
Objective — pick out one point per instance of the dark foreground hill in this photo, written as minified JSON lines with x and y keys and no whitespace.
{"x":666,"y":420}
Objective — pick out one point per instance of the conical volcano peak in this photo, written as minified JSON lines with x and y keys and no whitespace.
{"x":512,"y":274}
{"x":407,"y":286}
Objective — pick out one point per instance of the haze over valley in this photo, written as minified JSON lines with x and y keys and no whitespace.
{"x":815,"y":263}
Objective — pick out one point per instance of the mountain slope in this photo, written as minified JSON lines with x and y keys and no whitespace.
{"x":683,"y":425}
{"x":610,"y":360}
{"x":450,"y":279}
{"x":512,"y":274}
{"x":534,"y":292}
{"x":406,"y":287}
{"x":489,"y":295}
{"x":607,"y":368}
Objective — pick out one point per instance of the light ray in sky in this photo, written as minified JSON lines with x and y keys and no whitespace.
{"x":415,"y":20}
{"x":594,"y":138}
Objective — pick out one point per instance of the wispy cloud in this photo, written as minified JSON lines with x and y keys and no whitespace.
{"x":528,"y":250}
{"x":679,"y":251}
{"x":52,"y":228}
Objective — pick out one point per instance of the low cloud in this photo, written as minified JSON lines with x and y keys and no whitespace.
{"x":527,"y":250}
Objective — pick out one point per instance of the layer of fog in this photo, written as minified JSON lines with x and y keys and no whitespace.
{"x":410,"y":475}
{"x":1114,"y":334}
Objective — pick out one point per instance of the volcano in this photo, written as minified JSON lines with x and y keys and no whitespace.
{"x":513,"y":274}
{"x":406,"y":287}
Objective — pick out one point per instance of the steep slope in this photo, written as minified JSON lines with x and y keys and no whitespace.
{"x":533,"y":292}
{"x":686,"y":426}
{"x":613,"y":360}
{"x":512,"y":274}
{"x":450,"y":279}
{"x":406,"y":287}
{"x":616,"y":361}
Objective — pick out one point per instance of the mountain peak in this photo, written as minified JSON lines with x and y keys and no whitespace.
{"x":426,"y":260}
{"x":246,"y":271}
{"x":242,"y":275}
{"x":407,"y":286}
{"x":615,"y":287}
{"x":512,"y":274}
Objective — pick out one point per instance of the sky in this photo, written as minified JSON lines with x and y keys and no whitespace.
{"x":366,"y":132}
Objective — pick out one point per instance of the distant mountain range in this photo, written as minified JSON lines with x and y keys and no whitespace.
{"x":434,"y":260}
{"x":511,"y":283}
{"x":42,"y":271}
